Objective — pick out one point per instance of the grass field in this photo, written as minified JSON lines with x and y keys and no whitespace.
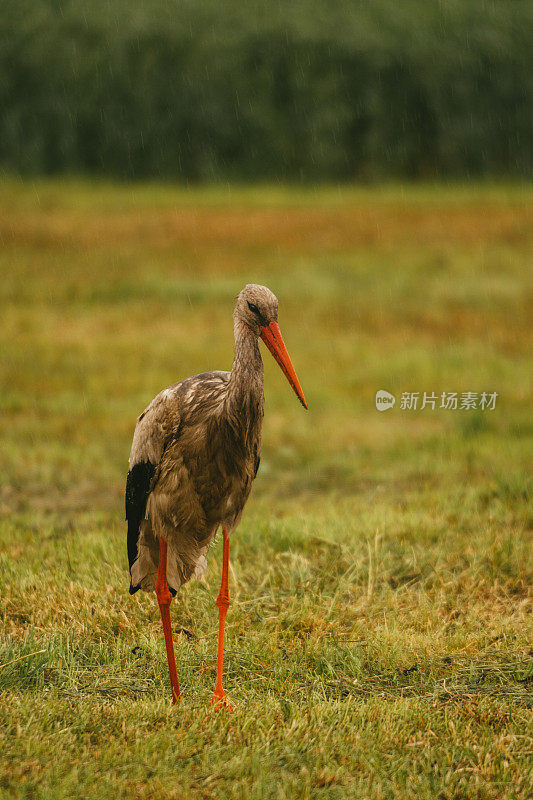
{"x":378,"y":639}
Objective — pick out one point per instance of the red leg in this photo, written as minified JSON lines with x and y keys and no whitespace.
{"x":219,"y":698}
{"x":164,"y":598}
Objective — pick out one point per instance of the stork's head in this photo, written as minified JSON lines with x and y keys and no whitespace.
{"x":257,"y":308}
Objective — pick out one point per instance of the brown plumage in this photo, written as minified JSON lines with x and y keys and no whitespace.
{"x":196,"y":451}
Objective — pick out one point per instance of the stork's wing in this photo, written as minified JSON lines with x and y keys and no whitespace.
{"x":156,"y":427}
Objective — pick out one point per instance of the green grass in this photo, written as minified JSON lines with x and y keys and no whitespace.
{"x":378,"y":639}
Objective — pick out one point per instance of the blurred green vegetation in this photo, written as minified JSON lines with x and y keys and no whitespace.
{"x":315,"y":89}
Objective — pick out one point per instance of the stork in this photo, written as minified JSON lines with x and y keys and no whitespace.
{"x":195,"y":453}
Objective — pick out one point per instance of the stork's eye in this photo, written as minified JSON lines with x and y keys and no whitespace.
{"x":253,"y":308}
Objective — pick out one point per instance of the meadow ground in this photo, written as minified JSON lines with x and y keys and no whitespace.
{"x":377,"y":639}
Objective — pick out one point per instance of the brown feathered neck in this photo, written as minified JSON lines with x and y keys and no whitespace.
{"x":245,"y":387}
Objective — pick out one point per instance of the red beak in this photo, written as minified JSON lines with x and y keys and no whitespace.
{"x":271,"y":335}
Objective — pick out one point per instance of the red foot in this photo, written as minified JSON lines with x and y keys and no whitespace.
{"x":220,"y":700}
{"x":176,"y":698}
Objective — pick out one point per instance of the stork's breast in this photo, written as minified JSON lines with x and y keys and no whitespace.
{"x":235,"y":499}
